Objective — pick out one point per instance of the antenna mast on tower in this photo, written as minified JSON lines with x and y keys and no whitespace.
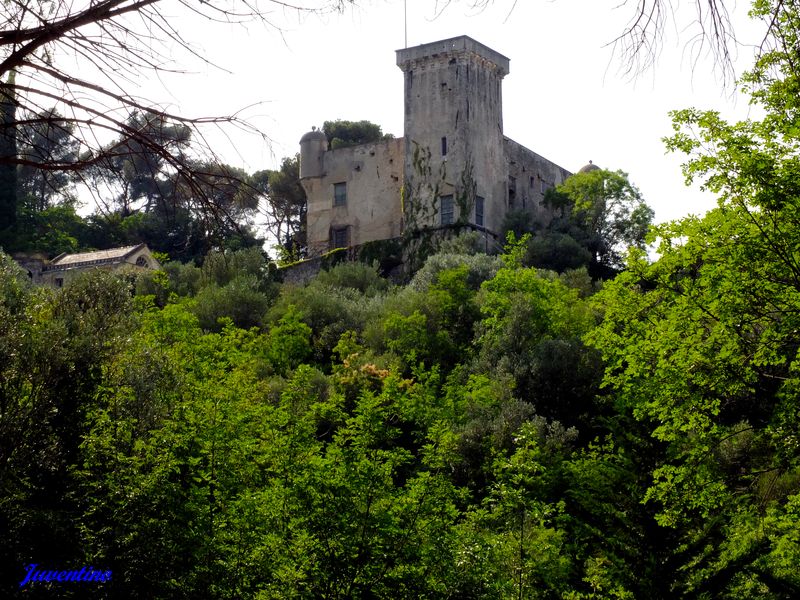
{"x":405,"y":23}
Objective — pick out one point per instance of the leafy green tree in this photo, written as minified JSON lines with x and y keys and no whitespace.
{"x":530,"y":330}
{"x":300,"y":496}
{"x":185,"y":212}
{"x":233,"y":285}
{"x":343,"y":134}
{"x":45,"y":138}
{"x":286,"y":212}
{"x":173,"y":428}
{"x":53,"y":346}
{"x":557,"y":251}
{"x":597,"y":216}
{"x":227,"y":189}
{"x":701,"y":346}
{"x":432,"y":326}
{"x":356,"y":276}
{"x":221,"y":268}
{"x":239,"y":300}
{"x":329,"y":308}
{"x":52,"y":230}
{"x":526,"y":553}
{"x":289,"y":343}
{"x":517,"y":221}
{"x":605,"y":213}
{"x":136,"y":168}
{"x":480,"y":267}
{"x":175,"y":231}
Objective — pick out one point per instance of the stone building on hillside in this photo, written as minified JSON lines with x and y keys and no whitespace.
{"x":453,"y":169}
{"x":64,"y":267}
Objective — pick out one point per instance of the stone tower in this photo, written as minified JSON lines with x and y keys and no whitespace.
{"x":455,"y":166}
{"x":313,"y":146}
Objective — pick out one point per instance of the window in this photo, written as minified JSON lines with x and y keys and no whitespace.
{"x":531,"y":185}
{"x":141,"y":262}
{"x":546,"y":186}
{"x":339,"y":237}
{"x":59,"y":281}
{"x":479,"y":211}
{"x":444,"y":146}
{"x":446,"y":210}
{"x":339,"y":194}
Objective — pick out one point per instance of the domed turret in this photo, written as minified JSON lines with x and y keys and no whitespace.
{"x":588,"y":168}
{"x":312,"y":146}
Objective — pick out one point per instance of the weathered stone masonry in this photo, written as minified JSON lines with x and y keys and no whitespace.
{"x":453,"y":165}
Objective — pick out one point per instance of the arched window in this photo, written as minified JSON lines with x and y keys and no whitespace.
{"x":142,"y":262}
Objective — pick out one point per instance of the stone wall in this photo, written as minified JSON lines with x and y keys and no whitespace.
{"x":453,"y":150}
{"x":372,"y":175}
{"x":300,"y":273}
{"x":529,"y":177}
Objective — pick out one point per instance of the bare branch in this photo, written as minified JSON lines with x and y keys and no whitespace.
{"x":710,"y":31}
{"x":116,"y":43}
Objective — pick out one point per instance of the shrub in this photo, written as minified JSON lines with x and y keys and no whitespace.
{"x":240,"y":300}
{"x":480,"y":268}
{"x":223,"y":267}
{"x":356,"y":276}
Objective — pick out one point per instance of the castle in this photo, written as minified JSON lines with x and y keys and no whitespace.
{"x":452,"y":169}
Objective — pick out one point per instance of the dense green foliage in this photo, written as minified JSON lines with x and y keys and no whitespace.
{"x":139,"y":196}
{"x":286,"y":218}
{"x":45,"y":139}
{"x":596,"y":216}
{"x":222,"y":435}
{"x":350,"y":439}
{"x":490,"y":430}
{"x":344,"y":439}
{"x":343,"y":134}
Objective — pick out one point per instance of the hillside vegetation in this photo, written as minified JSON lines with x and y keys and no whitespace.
{"x":489,"y":430}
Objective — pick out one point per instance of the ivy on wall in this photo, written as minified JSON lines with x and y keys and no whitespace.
{"x":420,"y":204}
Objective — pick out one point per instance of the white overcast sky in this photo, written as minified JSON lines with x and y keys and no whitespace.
{"x":565,"y":97}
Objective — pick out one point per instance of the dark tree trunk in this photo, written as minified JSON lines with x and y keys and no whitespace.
{"x":8,"y":154}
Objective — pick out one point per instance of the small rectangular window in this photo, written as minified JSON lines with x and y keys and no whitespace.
{"x":531,"y":185}
{"x":59,"y":281}
{"x":339,"y":237}
{"x":339,"y":194}
{"x":444,"y":146}
{"x":479,"y":211}
{"x":446,"y":210}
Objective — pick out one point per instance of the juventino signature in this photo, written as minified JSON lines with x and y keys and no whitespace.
{"x":84,"y":574}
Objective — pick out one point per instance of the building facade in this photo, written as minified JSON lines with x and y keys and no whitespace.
{"x":453,"y":167}
{"x":65,"y":267}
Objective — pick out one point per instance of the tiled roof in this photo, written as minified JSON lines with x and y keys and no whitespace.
{"x":93,"y":257}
